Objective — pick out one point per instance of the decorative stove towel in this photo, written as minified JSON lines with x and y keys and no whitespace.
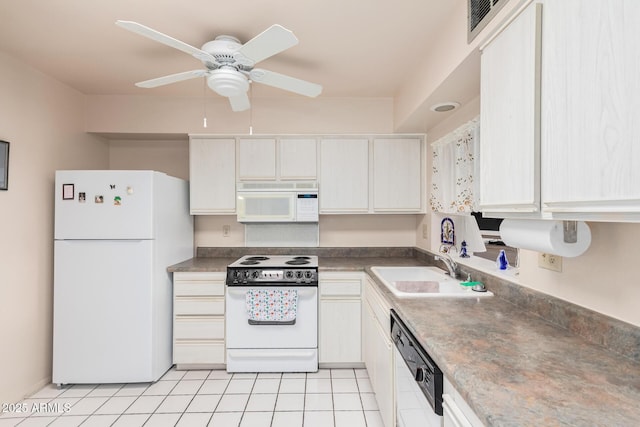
{"x":272,"y":306}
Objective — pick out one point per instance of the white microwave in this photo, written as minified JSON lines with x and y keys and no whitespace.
{"x":277,"y":202}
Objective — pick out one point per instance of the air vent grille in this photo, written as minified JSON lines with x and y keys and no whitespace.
{"x":479,"y":13}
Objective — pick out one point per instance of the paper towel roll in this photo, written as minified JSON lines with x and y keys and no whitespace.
{"x":544,"y":236}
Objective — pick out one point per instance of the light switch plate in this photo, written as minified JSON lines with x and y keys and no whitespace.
{"x":425,"y":231}
{"x":550,"y":262}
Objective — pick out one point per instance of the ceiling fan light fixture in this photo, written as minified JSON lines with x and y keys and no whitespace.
{"x":443,"y":107}
{"x":228,"y":82}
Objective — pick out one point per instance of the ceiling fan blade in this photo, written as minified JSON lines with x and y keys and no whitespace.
{"x":240,"y":102}
{"x":173,"y":78}
{"x":288,"y":83}
{"x":273,"y":40}
{"x":165,"y":39}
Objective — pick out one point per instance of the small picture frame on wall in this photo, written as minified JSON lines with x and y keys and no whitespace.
{"x":4,"y":165}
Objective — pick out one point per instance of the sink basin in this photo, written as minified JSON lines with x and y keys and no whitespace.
{"x":423,"y":282}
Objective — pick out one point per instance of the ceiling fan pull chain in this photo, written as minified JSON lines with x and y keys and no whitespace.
{"x":204,"y":103}
{"x":251,"y":109}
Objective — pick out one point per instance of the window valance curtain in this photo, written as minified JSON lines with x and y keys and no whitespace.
{"x":454,"y":178}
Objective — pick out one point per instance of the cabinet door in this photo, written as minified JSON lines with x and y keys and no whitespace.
{"x":368,"y":342}
{"x":344,"y":175}
{"x":385,"y":384}
{"x":257,"y":159}
{"x":397,"y":175}
{"x":378,"y":352}
{"x":212,"y":174}
{"x":590,"y":109}
{"x":298,"y":158}
{"x":340,"y":334}
{"x":510,"y":118}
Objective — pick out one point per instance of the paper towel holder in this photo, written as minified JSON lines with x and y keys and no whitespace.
{"x":570,"y":231}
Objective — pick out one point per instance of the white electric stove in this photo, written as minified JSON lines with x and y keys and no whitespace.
{"x":274,"y":342}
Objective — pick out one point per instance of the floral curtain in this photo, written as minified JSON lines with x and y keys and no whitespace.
{"x":454,"y":178}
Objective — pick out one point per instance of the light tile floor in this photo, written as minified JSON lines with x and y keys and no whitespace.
{"x":327,"y":398}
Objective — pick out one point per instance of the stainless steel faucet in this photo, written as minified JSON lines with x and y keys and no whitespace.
{"x":449,"y":262}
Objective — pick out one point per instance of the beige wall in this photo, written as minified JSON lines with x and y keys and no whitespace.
{"x":44,"y":121}
{"x":161,"y":115}
{"x":335,"y":230}
{"x":168,"y":156}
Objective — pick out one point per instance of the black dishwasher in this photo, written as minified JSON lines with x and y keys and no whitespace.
{"x":422,"y":368}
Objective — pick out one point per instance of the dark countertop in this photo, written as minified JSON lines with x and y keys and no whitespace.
{"x":512,"y":367}
{"x":202,"y":264}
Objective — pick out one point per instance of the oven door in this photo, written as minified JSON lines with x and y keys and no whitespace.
{"x":243,"y":335}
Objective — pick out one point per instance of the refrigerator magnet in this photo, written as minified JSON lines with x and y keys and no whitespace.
{"x":98,"y":199}
{"x":82,"y":197}
{"x":117,"y":201}
{"x":68,"y":192}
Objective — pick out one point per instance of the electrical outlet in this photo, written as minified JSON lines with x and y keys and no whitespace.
{"x":550,"y":262}
{"x":226,"y":230}
{"x":425,"y":231}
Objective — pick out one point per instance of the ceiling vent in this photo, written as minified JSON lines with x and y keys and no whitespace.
{"x":479,"y":13}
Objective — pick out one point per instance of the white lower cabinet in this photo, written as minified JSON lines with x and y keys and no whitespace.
{"x":340,"y":319}
{"x":456,"y":412}
{"x":198,"y":319}
{"x":378,"y":351}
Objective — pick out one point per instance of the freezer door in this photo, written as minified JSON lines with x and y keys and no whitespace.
{"x":105,"y":309}
{"x":104,"y":205}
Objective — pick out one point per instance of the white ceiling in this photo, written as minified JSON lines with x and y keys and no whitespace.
{"x":354,"y":48}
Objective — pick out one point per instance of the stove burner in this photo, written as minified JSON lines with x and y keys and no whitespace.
{"x":301,"y":257}
{"x":257,"y":258}
{"x":250,"y":262}
{"x":297,"y":261}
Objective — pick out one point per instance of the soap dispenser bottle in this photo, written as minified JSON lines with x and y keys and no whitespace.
{"x":502,"y":262}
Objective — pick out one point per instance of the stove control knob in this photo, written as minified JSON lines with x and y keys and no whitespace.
{"x":288,"y":274}
{"x":308,"y":274}
{"x":255,"y":274}
{"x":298,"y":274}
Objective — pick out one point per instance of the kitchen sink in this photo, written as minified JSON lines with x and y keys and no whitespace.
{"x":423,"y":282}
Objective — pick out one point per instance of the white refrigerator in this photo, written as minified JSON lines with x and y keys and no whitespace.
{"x":116,"y":232}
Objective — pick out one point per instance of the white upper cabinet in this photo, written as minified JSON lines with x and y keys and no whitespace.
{"x":355,"y":174}
{"x":397,"y":175}
{"x":510,"y":118}
{"x":298,"y":159}
{"x":286,"y":159}
{"x":212,"y":175}
{"x":257,"y":159}
{"x":344,"y":175}
{"x":590,"y":109}
{"x":566,"y":145}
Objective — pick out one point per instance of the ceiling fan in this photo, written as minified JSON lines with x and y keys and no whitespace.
{"x":229,"y":65}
